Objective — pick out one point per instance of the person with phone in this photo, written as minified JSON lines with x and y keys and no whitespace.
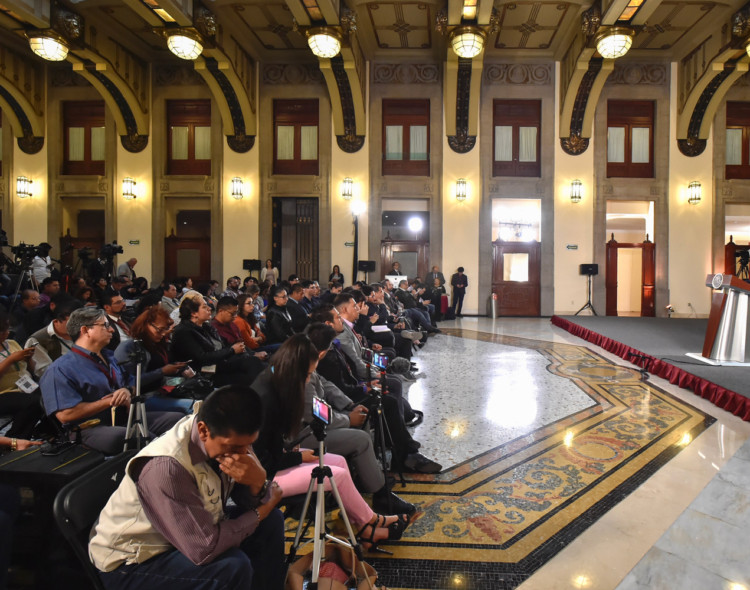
{"x":282,"y":390}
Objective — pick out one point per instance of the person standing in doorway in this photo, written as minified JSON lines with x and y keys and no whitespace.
{"x":459,"y":282}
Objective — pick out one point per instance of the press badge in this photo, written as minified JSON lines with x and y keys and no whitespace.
{"x":27,"y":384}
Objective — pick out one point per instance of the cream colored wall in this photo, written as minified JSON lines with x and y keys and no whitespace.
{"x":30,"y":215}
{"x":689,"y":225}
{"x":133,"y":219}
{"x":461,"y":220}
{"x":240,"y":217}
{"x":573,"y":222}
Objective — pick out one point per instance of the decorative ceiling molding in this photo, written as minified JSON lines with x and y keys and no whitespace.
{"x":519,"y":73}
{"x":641,"y":74}
{"x":405,"y":73}
{"x":291,"y":74}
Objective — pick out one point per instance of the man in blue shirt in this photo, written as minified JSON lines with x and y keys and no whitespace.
{"x":88,"y":384}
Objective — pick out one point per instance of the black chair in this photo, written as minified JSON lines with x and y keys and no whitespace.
{"x":78,"y":504}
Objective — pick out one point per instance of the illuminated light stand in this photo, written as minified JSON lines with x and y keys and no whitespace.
{"x":726,"y":335}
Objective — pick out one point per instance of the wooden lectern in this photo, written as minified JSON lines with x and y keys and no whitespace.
{"x":726,"y":335}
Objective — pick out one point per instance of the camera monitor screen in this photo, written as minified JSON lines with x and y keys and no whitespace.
{"x":321,"y":410}
{"x":379,"y":360}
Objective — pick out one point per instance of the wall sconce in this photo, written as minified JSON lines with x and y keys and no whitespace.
{"x":23,"y":187}
{"x":237,"y":188}
{"x":575,"y":191}
{"x":461,"y":190}
{"x":128,"y":188}
{"x":347,"y":189}
{"x":694,"y":192}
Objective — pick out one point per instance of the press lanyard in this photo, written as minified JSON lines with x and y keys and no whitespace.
{"x":111,"y":375}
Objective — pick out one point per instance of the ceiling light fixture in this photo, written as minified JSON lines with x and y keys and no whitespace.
{"x":614,"y":42}
{"x":324,"y":42}
{"x":467,"y":41}
{"x":48,"y":45}
{"x":184,"y":44}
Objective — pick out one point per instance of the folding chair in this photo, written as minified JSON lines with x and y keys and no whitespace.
{"x":78,"y":504}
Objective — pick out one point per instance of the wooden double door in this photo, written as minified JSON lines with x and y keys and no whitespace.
{"x":516,"y":277}
{"x":648,"y":275}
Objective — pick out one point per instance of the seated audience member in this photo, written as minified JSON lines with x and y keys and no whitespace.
{"x":196,"y":342}
{"x":249,"y":328}
{"x":22,"y":405}
{"x":150,"y":343}
{"x":223,"y":323}
{"x":435,"y":294}
{"x":53,"y":340}
{"x":114,"y":306}
{"x":344,"y":431}
{"x":233,"y":288}
{"x":308,"y":292}
{"x":118,"y":285}
{"x":282,"y":391}
{"x":412,"y":310}
{"x":334,"y":288}
{"x":253,"y":291}
{"x":169,"y":300}
{"x":339,"y":370}
{"x":278,"y":320}
{"x":99,"y":286}
{"x":88,"y":383}
{"x":48,"y":288}
{"x":296,"y":310}
{"x":167,"y":526}
{"x":40,"y":317}
{"x":435,"y":274}
{"x":18,"y":312}
{"x":352,"y":347}
{"x":86,"y":296}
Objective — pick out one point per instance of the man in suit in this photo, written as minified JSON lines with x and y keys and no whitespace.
{"x":113,"y":305}
{"x":295,"y":308}
{"x":459,"y":282}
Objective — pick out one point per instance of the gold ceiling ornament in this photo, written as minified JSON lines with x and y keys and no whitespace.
{"x":614,"y":42}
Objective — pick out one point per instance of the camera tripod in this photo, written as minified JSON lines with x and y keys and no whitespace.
{"x":382,"y":431}
{"x":317,"y":483}
{"x":137,"y":428}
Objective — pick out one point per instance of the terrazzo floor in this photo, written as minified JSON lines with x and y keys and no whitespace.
{"x":561,"y":467}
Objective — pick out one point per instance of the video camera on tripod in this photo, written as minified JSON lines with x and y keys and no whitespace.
{"x":25,"y":253}
{"x":108,"y":251}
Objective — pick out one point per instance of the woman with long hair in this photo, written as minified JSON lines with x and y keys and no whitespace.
{"x":278,"y":319}
{"x":270,"y":273}
{"x":282,"y":390}
{"x":336,"y":275}
{"x":150,"y":332}
{"x":249,"y":328}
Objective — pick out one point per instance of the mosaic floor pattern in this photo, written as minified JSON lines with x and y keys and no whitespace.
{"x":520,"y":488}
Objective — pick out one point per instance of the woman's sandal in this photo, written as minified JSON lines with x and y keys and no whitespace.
{"x":395,"y":532}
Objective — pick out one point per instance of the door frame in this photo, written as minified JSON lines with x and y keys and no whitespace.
{"x":648,"y":276}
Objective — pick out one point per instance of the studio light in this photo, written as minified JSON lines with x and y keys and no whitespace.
{"x":415,"y":224}
{"x":467,"y":41}
{"x":128,"y":188}
{"x":575,"y":191}
{"x":48,"y":45}
{"x":237,"y":188}
{"x":324,"y":42}
{"x":694,"y":192}
{"x":184,"y":44}
{"x":614,"y":43}
{"x":461,"y":189}
{"x":23,"y":187}
{"x":357,"y":208}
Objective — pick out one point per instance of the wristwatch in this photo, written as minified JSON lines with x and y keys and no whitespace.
{"x":264,"y":489}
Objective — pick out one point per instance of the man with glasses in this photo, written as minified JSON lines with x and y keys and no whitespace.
{"x":87,"y":385}
{"x":114,"y":305}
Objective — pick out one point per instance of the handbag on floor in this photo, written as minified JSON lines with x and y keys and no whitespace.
{"x":340,"y":570}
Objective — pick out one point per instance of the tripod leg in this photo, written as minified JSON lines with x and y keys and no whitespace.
{"x":302,"y":518}
{"x":319,"y":538}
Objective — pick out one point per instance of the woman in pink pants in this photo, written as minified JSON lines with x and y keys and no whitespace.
{"x":282,"y":389}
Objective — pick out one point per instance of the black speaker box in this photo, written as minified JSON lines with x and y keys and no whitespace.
{"x":588,"y":270}
{"x":366,"y":266}
{"x":251,"y":264}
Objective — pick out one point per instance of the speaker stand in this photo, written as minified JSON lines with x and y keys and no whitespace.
{"x":588,"y":304}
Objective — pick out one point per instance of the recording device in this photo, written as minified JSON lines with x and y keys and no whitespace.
{"x":84,"y":254}
{"x":321,"y":410}
{"x":109,"y":250}
{"x":375,"y":358}
{"x":25,"y":252}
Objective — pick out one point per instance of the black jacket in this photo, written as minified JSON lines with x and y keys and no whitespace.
{"x":278,"y":324}
{"x":200,"y":345}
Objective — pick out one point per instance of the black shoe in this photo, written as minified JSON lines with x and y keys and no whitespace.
{"x":416,"y":419}
{"x":418,"y":463}
{"x":381,"y":501}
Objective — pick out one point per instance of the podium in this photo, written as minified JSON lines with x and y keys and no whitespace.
{"x":726,"y":334}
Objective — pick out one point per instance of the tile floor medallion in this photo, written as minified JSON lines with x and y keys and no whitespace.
{"x":537,"y":440}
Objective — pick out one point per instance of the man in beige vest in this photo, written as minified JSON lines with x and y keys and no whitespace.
{"x":167,"y":525}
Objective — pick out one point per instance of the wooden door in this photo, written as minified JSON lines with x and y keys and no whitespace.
{"x":412,"y":255}
{"x":516,"y":277}
{"x":188,"y":257}
{"x":648,"y":276}
{"x":295,"y":236}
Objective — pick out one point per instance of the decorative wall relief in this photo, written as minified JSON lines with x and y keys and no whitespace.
{"x":510,"y":73}
{"x":405,"y":74}
{"x":297,"y":74}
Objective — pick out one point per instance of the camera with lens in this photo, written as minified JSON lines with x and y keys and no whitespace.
{"x":84,"y":254}
{"x":25,"y":252}
{"x":109,"y":250}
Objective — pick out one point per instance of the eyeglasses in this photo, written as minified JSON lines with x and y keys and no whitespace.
{"x":106,"y":325}
{"x":284,"y":296}
{"x":159,"y":329}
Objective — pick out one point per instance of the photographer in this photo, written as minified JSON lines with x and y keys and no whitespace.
{"x":41,"y":264}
